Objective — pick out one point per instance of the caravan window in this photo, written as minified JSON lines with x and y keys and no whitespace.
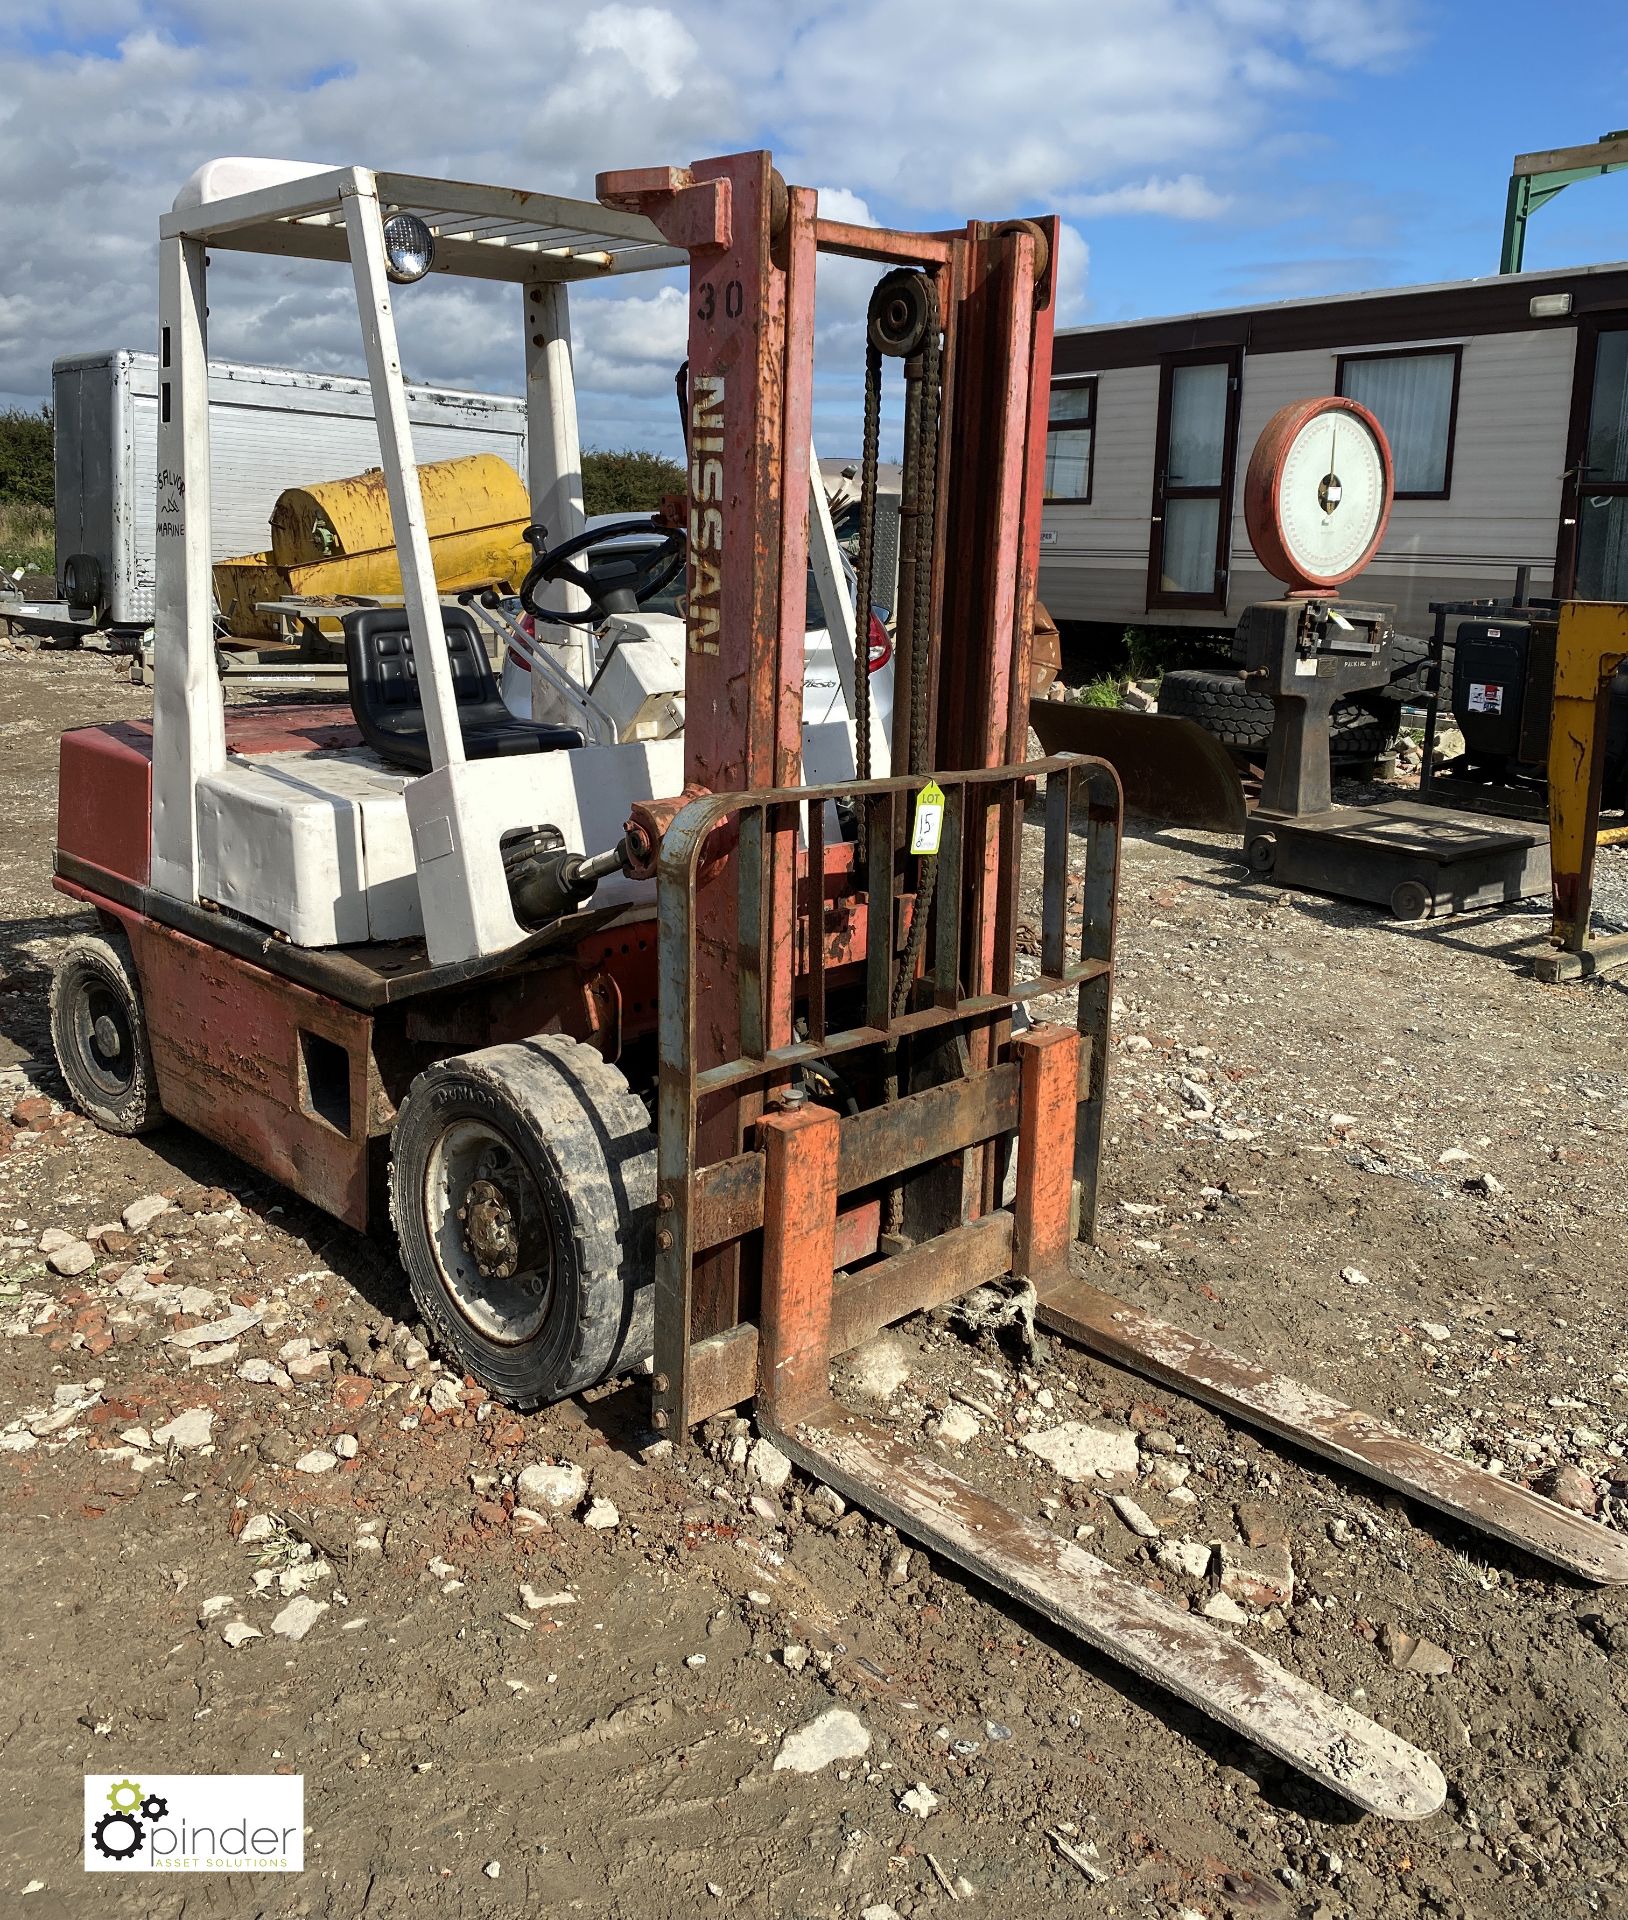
{"x":1414,"y":397}
{"x":1070,"y":431}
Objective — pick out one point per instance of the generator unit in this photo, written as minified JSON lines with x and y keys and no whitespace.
{"x":1503,"y":682}
{"x":1496,"y":662}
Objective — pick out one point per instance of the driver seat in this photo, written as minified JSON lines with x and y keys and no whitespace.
{"x":384,"y":696}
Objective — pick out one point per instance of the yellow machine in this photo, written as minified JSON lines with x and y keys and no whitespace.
{"x":333,"y":538}
{"x":1590,"y":645}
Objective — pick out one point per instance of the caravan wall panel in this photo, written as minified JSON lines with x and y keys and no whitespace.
{"x":1502,"y":511}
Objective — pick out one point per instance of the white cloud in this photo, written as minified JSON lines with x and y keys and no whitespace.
{"x":926,"y":111}
{"x":1186,"y":197}
{"x":1374,"y":34}
{"x":632,"y":343}
{"x":1034,"y":99}
{"x":659,"y":48}
{"x":1073,"y":269}
{"x":837,"y":203}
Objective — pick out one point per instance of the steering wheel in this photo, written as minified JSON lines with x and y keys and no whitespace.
{"x":646,"y":572}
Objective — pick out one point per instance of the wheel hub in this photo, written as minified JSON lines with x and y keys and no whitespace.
{"x":107,"y":1036}
{"x":491,"y":1231}
{"x":486,"y":1220}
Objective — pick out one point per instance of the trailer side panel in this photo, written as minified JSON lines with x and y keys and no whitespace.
{"x":270,"y":428}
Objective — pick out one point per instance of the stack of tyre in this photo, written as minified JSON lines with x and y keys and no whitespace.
{"x":1362,"y":729}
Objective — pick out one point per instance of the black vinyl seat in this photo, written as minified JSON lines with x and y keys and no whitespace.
{"x":384,"y":694}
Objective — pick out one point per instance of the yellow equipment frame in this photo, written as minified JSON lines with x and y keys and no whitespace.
{"x":1590,"y":645}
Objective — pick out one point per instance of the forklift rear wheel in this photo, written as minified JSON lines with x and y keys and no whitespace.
{"x":1261,"y":853}
{"x":99,"y":1034}
{"x":522,"y":1188}
{"x":1411,"y":901}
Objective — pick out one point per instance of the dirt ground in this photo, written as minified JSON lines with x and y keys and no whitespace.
{"x":1376,"y":1156}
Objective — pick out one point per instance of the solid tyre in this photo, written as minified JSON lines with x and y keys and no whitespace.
{"x":99,"y":1034}
{"x":554,"y":1131}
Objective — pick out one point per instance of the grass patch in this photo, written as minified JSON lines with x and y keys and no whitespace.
{"x":27,"y":537}
{"x":1104,"y":691}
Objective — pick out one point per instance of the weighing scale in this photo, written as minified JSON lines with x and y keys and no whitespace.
{"x":1317,"y":496}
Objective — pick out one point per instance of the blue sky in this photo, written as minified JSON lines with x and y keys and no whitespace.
{"x":1202,"y":152}
{"x":1397,"y":175}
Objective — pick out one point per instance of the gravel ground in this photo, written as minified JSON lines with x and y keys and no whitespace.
{"x":1378,"y":1157}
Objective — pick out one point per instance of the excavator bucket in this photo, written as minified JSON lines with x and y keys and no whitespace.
{"x":1171,"y":770}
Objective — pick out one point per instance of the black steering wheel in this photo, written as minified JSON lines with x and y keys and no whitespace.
{"x":642,"y":572}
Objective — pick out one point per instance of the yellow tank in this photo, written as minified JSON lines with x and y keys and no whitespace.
{"x":335,"y":538}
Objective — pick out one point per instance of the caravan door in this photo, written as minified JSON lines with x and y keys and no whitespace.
{"x":1591,"y":561}
{"x":1190,"y":538}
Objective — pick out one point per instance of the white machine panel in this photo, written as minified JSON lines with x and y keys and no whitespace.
{"x":460,"y":813}
{"x":314,"y":846}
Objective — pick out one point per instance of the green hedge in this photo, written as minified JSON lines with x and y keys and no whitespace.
{"x":26,"y":471}
{"x":631,"y":481}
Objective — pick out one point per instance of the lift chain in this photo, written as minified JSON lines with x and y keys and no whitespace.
{"x":864,"y":591}
{"x":917,"y":331}
{"x":903,"y":323}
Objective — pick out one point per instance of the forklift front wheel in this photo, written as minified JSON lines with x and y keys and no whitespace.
{"x":1262,"y":853}
{"x":522,"y":1188}
{"x":99,"y":1034}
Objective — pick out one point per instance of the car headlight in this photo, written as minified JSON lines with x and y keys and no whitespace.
{"x":409,"y":248}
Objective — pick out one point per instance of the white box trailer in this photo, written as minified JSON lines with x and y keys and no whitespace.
{"x":270,"y":428}
{"x":1505,"y":400}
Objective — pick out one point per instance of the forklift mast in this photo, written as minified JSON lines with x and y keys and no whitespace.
{"x":754,"y":244}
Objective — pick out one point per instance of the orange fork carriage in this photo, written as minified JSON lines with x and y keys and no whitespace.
{"x":934,"y":1137}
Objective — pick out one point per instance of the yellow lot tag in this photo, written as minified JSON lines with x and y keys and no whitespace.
{"x":928,"y":825}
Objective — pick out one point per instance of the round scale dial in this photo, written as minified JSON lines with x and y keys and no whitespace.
{"x":1318,"y":492}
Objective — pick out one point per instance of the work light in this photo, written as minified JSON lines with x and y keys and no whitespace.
{"x":409,"y":248}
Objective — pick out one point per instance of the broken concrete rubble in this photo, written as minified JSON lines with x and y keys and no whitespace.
{"x":1083,"y":1453}
{"x":1258,"y":1577}
{"x":837,"y":1734}
{"x":552,"y":1486}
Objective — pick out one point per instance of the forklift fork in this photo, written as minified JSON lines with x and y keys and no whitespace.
{"x":1181,"y":1652}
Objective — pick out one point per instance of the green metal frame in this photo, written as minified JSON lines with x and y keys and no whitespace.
{"x":1538,"y":177}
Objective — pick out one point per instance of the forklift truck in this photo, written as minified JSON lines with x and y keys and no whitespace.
{"x":664,"y":1058}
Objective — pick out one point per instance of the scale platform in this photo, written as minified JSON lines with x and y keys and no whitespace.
{"x":1418,"y":860}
